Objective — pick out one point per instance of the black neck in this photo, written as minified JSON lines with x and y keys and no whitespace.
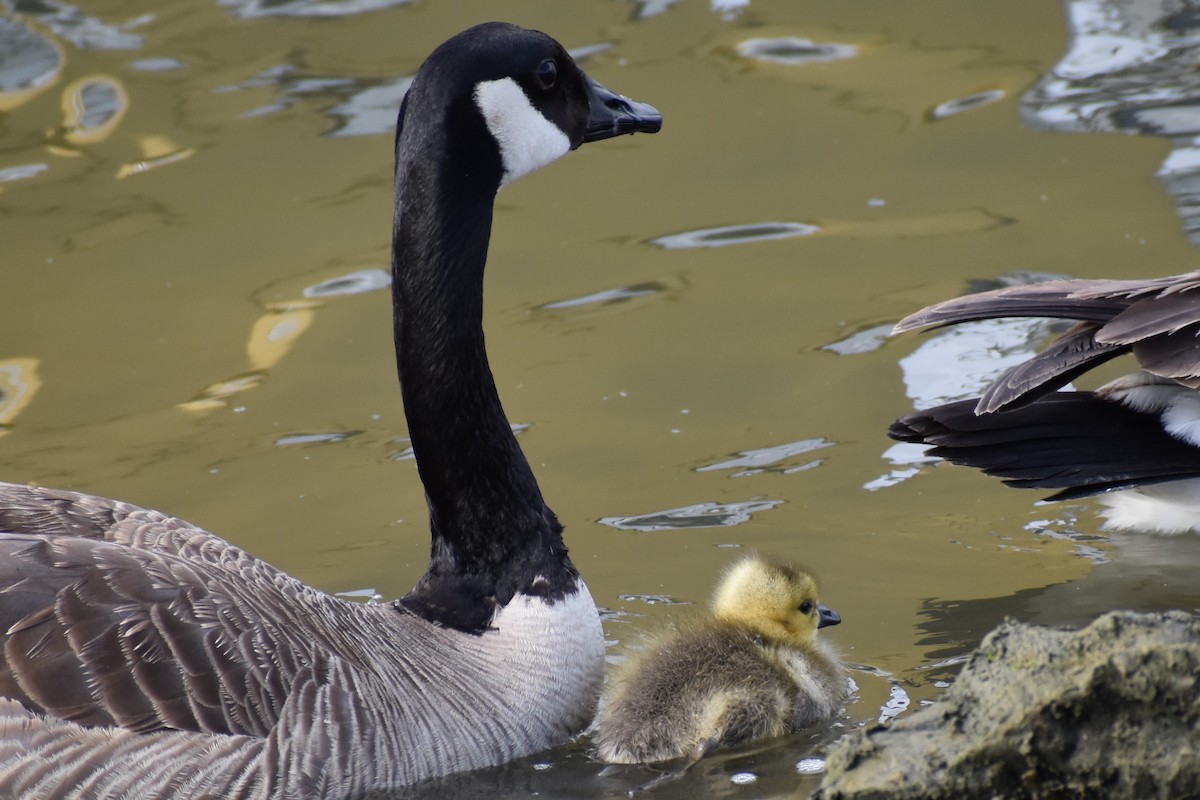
{"x":493,"y":534}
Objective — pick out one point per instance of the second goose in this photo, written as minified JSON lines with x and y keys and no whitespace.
{"x":1135,"y":440}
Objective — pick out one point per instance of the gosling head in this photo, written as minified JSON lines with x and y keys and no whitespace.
{"x":774,"y":600}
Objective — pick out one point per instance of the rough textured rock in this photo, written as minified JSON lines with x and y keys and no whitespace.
{"x":1110,"y":711}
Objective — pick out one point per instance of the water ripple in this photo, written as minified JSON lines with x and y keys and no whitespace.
{"x":864,"y":341}
{"x":364,"y":280}
{"x":951,"y":108}
{"x":249,"y":9}
{"x":753,"y":462}
{"x":86,"y":33}
{"x":735,"y":234}
{"x":795,"y":51}
{"x":22,"y":172}
{"x":28,"y":61}
{"x":607,"y":296}
{"x":314,"y":438}
{"x":654,"y":599}
{"x":1130,"y":68}
{"x":700,"y":515}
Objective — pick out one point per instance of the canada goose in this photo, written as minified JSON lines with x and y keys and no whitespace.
{"x":144,"y":657}
{"x":752,"y":670}
{"x":1139,"y":432}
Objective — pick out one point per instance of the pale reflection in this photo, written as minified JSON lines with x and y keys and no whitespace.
{"x":248,"y":9}
{"x":963,"y":361}
{"x":371,"y":111}
{"x":969,"y":220}
{"x":70,"y":24}
{"x":653,"y":599}
{"x":275,"y":333}
{"x":21,"y":173}
{"x":92,"y":107}
{"x":157,"y":151}
{"x":1129,"y":68}
{"x":1165,"y":508}
{"x":864,"y":341}
{"x":363,"y":280}
{"x":314,"y":438}
{"x":957,"y":106}
{"x":768,"y":459}
{"x":959,"y":363}
{"x":607,"y":296}
{"x":19,"y":382}
{"x":700,"y":515}
{"x":735,"y":234}
{"x":216,"y":395}
{"x":29,"y":63}
{"x":794,"y":51}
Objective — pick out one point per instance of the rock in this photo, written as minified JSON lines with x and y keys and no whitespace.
{"x":1110,"y":711}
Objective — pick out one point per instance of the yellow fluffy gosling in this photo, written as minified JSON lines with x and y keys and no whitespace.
{"x":752,"y":670}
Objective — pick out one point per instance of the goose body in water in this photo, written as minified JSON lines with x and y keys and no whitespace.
{"x":144,"y":657}
{"x":1135,"y":440}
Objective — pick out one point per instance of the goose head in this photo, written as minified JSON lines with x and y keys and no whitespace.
{"x":773,"y":600}
{"x":505,"y":101}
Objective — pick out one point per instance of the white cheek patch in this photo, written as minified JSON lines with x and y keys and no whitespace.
{"x":527,"y":139}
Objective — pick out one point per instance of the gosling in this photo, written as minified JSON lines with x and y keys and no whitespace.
{"x":754,"y":670}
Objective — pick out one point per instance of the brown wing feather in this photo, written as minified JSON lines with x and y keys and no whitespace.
{"x":1064,"y":360}
{"x":1172,"y":355}
{"x":1158,"y":320}
{"x":115,"y":615}
{"x":1152,"y":316}
{"x":1054,"y":299}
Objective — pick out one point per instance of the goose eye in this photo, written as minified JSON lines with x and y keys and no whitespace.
{"x":547,"y":73}
{"x":806,"y":607}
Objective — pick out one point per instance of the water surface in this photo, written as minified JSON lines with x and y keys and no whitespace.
{"x":195,"y":207}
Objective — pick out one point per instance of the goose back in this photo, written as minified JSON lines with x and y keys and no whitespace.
{"x":145,"y":623}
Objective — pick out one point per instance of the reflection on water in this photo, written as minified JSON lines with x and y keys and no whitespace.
{"x":962,"y":361}
{"x":70,"y":24}
{"x":607,"y":296}
{"x":365,"y":280}
{"x":961,"y":104}
{"x":767,"y":459}
{"x":700,"y":515}
{"x":19,"y":383}
{"x":306,"y":8}
{"x":92,"y":109}
{"x":790,"y":50}
{"x":1131,"y":68}
{"x":28,"y":62}
{"x":735,"y":234}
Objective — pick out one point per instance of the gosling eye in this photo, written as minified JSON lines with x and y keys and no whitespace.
{"x":546,"y":73}
{"x":806,"y":607}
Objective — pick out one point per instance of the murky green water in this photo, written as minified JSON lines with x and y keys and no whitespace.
{"x":156,"y":332}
